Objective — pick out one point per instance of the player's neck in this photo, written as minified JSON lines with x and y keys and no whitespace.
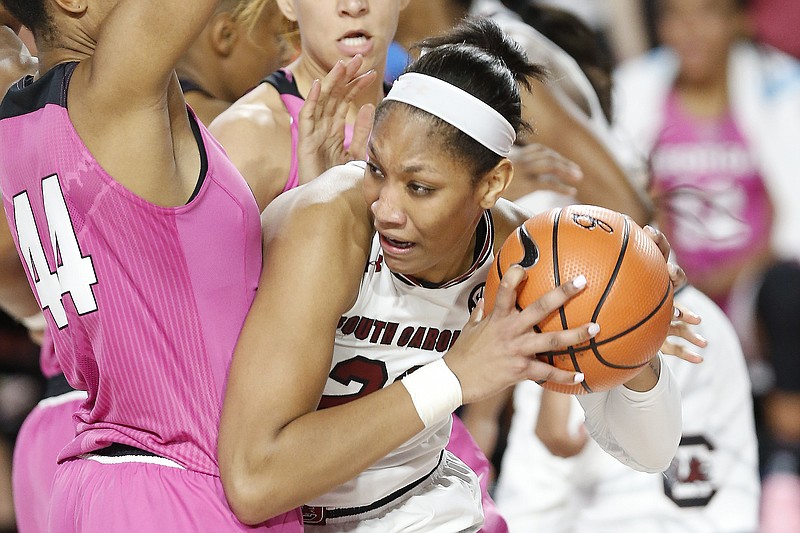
{"x":704,"y":98}
{"x":50,"y":57}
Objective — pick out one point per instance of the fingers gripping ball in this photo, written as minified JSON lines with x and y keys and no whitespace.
{"x":628,"y":291}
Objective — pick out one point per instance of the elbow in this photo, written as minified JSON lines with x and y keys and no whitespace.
{"x":657,"y":456}
{"x":251,"y":501}
{"x":654,"y":465}
{"x":242,"y":503}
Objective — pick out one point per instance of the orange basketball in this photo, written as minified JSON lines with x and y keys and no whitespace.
{"x":628,"y":290}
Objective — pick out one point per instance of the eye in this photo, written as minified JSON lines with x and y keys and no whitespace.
{"x":418,"y":189}
{"x":373,"y":169}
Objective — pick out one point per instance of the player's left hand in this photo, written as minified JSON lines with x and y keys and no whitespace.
{"x":324,"y":116}
{"x":683,"y":318}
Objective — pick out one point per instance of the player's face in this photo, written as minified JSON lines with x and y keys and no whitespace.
{"x":331,"y":30}
{"x":701,"y":33}
{"x":261,"y":49}
{"x":425,"y":204}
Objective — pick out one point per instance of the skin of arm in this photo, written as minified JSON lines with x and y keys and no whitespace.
{"x":552,"y":429}
{"x":604,"y":182}
{"x":130,"y":76}
{"x":255,"y":132}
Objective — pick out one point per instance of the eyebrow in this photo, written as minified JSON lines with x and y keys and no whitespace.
{"x":408,"y":169}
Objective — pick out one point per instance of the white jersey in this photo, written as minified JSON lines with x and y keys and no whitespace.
{"x":711,"y":485}
{"x":397,"y":325}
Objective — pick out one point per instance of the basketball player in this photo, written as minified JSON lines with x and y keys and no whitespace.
{"x":243,"y":42}
{"x":712,"y":483}
{"x":331,"y":31}
{"x":381,"y":269}
{"x":114,"y":194}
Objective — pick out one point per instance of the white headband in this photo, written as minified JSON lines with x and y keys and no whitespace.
{"x":456,"y":107}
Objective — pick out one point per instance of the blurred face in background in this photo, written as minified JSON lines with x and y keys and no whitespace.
{"x":333,"y":30}
{"x":261,"y":48}
{"x":701,"y":32}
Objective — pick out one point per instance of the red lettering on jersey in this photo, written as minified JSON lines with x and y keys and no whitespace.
{"x":370,"y":373}
{"x":416,"y":341}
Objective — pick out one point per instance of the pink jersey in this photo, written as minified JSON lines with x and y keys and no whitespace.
{"x":144,"y":303}
{"x":284,"y":83}
{"x":717,"y":206}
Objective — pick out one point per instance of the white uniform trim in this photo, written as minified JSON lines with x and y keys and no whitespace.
{"x":63,"y":398}
{"x":148,"y":459}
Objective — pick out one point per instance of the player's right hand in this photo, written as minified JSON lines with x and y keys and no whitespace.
{"x":542,"y":168}
{"x":321,"y":143}
{"x":499,"y":350}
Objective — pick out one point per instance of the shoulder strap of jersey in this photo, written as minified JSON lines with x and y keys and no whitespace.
{"x":284,"y":82}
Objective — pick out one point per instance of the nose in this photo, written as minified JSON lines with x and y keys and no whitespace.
{"x":386,"y":211}
{"x":353,"y":8}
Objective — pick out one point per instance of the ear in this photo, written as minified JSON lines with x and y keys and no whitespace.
{"x":287,"y":8}
{"x":73,"y":7}
{"x":223,"y":34}
{"x":494,"y":183}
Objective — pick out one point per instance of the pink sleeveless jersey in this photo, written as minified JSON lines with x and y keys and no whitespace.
{"x":284,"y":83}
{"x":144,"y":303}
{"x":718,"y":209}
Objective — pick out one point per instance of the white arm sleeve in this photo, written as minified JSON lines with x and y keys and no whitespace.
{"x":640,"y":429}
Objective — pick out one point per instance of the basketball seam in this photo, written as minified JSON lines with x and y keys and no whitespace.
{"x":620,"y":334}
{"x":615,"y":273}
{"x":561,"y":310}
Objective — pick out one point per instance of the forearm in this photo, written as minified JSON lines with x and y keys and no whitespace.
{"x":640,"y":429}
{"x":561,"y":126}
{"x":141,"y":41}
{"x":313,"y":453}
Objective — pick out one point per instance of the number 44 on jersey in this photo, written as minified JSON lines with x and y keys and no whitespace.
{"x":74,"y":273}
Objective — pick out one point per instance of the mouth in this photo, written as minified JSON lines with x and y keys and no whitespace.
{"x":395,"y":246}
{"x":357,"y":41}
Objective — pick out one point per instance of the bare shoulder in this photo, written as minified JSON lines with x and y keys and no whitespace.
{"x":507,"y":217}
{"x":256,"y":133}
{"x":261,"y":108}
{"x":331,"y":205}
{"x":325,"y":226}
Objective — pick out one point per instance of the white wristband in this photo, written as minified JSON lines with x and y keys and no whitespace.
{"x":35,"y":322}
{"x":435,"y":391}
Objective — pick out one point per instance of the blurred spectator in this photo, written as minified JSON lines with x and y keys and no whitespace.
{"x":718,"y":118}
